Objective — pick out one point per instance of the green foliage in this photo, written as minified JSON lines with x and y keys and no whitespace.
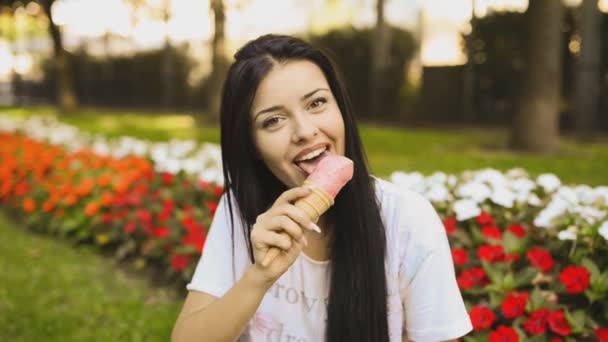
{"x":351,"y":50}
{"x":136,"y":80}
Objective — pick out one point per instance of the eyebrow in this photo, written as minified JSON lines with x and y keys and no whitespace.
{"x":273,"y":108}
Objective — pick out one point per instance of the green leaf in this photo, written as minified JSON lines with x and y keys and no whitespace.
{"x":525,"y":276}
{"x":508,"y":283}
{"x":537,"y":300}
{"x":576,"y":320}
{"x":591,"y":267}
{"x":493,"y":274}
{"x":512,"y":243}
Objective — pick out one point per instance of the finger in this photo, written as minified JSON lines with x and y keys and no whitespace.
{"x":272,"y":239}
{"x":285,"y":223}
{"x":292,"y":195}
{"x":300,"y":217}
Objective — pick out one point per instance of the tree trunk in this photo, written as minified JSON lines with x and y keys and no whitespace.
{"x":219,"y":63}
{"x":380,"y":60}
{"x":168,"y":68}
{"x":66,"y":96}
{"x":536,"y":126}
{"x":587,"y":79}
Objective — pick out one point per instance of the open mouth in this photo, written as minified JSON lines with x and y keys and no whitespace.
{"x":309,"y":162}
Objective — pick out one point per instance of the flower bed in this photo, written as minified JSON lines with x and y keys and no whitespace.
{"x":531,"y":256}
{"x":120,"y":204}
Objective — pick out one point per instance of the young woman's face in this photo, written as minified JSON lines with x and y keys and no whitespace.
{"x":295,"y":117}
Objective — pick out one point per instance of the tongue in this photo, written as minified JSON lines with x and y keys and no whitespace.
{"x":310,"y":165}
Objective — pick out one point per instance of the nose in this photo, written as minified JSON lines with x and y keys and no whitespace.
{"x":304,"y":128}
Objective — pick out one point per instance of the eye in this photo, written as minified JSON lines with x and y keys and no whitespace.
{"x":272,"y":121}
{"x":318,"y":102}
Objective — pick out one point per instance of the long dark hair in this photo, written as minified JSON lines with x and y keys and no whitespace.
{"x":357,"y":309}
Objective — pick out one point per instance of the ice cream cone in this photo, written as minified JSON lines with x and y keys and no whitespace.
{"x":314,"y":205}
{"x":329,"y":176}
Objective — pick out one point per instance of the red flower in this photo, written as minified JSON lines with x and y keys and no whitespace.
{"x":503,"y":334}
{"x":575,"y":278}
{"x":167,"y":178}
{"x":450,"y":224}
{"x":558,"y":323}
{"x":536,"y":324}
{"x":460,"y":256}
{"x":491,"y":232}
{"x":511,"y":257}
{"x":218,"y":190}
{"x":540,"y":259}
{"x":144,"y":215}
{"x":180,"y":262}
{"x":515,"y":304}
{"x":490,"y":253}
{"x":484,"y":219}
{"x":130,"y":227}
{"x":517,"y":230}
{"x":481,"y":317}
{"x":601,"y":334}
{"x":161,"y":232}
{"x":195,"y":239}
{"x":212,"y":206}
{"x":556,"y":339}
{"x":472,"y":277}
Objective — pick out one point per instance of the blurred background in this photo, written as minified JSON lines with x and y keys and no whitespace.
{"x":405,"y":61}
{"x":440,"y":88}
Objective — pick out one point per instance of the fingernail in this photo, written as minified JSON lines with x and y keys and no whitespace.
{"x":304,"y":240}
{"x":314,"y":227}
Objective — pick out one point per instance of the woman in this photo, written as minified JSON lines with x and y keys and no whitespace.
{"x":377,"y":267}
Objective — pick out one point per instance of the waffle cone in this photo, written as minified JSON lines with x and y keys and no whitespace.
{"x":316,"y":203}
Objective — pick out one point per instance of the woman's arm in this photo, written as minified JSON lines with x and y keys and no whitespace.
{"x":208,"y":318}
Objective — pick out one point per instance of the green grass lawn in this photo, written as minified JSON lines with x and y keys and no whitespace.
{"x":388,"y":149}
{"x":52,"y":291}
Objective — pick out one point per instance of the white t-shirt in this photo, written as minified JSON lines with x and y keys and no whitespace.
{"x":424,"y":302}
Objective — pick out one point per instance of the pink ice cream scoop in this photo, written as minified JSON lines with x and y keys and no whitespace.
{"x":332,"y":173}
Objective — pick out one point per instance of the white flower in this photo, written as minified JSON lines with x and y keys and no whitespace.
{"x":437,"y":193}
{"x":555,"y":208}
{"x":568,"y":234}
{"x":567,"y":194}
{"x":589,"y":214}
{"x":466,"y":209}
{"x":604,"y":230}
{"x":517,"y":173}
{"x":534,"y":200}
{"x":503,"y":196}
{"x":549,"y":182}
{"x":476,"y":191}
{"x":491,"y":176}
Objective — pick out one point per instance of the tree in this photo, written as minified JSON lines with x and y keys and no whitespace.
{"x":536,"y":124}
{"x":219,"y":64}
{"x":66,"y":96}
{"x":587,"y":79}
{"x":380,"y":61}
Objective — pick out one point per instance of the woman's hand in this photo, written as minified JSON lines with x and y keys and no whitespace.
{"x":281,"y":227}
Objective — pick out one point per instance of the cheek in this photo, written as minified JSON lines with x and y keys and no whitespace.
{"x":271,"y":147}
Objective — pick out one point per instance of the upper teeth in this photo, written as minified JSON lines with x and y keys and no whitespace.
{"x":312,"y":154}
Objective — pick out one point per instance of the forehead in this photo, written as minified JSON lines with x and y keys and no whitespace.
{"x":288,"y":81}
